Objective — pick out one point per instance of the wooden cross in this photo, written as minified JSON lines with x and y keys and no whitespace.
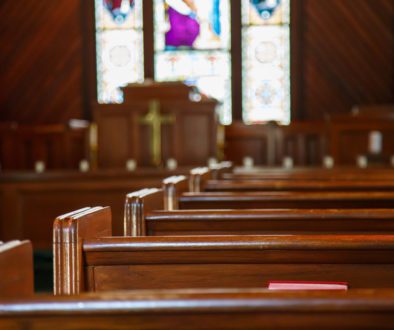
{"x":155,"y":120}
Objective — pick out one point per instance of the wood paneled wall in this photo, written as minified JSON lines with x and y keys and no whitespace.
{"x":347,"y":55}
{"x":345,"y":47}
{"x":41,"y":61}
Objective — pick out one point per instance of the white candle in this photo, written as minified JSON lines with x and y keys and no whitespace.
{"x":288,"y":162}
{"x":328,"y":162}
{"x":131,"y":165}
{"x":93,"y":138}
{"x":362,"y":161}
{"x":375,"y":140}
{"x":212,"y":161}
{"x":172,"y":164}
{"x":84,"y":165}
{"x":39,"y":166}
{"x":248,"y":162}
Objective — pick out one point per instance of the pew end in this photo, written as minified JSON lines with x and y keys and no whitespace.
{"x":137,"y":205}
{"x":69,"y":231}
{"x":173,"y":187}
{"x":209,"y":309}
{"x":220,"y":169}
{"x":198,"y":177}
{"x":16,"y":268}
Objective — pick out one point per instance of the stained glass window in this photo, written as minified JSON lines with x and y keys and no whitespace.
{"x":119,"y":47}
{"x":192,"y":44}
{"x":266,"y":60}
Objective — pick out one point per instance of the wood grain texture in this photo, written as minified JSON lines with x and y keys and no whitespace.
{"x":299,"y":185}
{"x":347,"y":50}
{"x":136,"y":206}
{"x":120,"y":263}
{"x":307,"y":142}
{"x":16,"y":269}
{"x":33,"y":200}
{"x":268,"y":222}
{"x":69,"y":231}
{"x":59,"y":146}
{"x":310,"y":173}
{"x":190,"y":309}
{"x":41,"y":75}
{"x":173,"y":187}
{"x":282,"y":199}
{"x":194,"y":129}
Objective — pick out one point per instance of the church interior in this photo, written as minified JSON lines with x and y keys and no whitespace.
{"x":197,"y":164}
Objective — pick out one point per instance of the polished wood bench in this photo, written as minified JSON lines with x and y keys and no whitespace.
{"x":16,"y":269}
{"x":209,"y":309}
{"x":350,"y":179}
{"x":146,"y":215}
{"x":183,"y":197}
{"x":341,"y":173}
{"x":295,"y":200}
{"x":29,"y":199}
{"x":300,"y":185}
{"x":90,"y":261}
{"x":268,"y":222}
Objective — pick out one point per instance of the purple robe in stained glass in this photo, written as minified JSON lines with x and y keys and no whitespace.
{"x":184,"y":29}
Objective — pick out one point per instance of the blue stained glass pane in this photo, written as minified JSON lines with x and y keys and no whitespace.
{"x":266,"y":63}
{"x":265,"y":12}
{"x":119,"y":50}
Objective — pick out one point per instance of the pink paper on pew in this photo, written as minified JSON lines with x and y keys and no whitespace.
{"x":301,"y":285}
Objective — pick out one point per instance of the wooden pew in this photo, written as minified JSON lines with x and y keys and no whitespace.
{"x":59,"y":146}
{"x":173,"y":188}
{"x":145,"y":215}
{"x":91,"y":262}
{"x":16,"y":269}
{"x":30,"y":198}
{"x":68,"y":229}
{"x":299,"y":185}
{"x":203,"y":309}
{"x":336,"y":173}
{"x":285,"y":199}
{"x":198,"y":177}
{"x":307,"y":142}
{"x":201,"y":179}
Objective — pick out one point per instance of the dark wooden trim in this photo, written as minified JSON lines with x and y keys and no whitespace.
{"x":89,"y":57}
{"x":149,"y":39}
{"x":236,"y":59}
{"x":296,"y":59}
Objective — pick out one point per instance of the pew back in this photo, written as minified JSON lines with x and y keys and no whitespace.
{"x":16,"y":269}
{"x":173,"y":187}
{"x":144,"y":215}
{"x":300,"y":185}
{"x":133,"y":263}
{"x":138,"y":204}
{"x":208,"y":309}
{"x":96,"y":263}
{"x":268,"y":222}
{"x":295,"y":200}
{"x":69,"y":231}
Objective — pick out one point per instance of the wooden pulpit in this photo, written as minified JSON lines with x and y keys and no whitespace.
{"x":158,"y":121}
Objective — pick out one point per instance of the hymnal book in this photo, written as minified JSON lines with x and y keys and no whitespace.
{"x":302,"y":285}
